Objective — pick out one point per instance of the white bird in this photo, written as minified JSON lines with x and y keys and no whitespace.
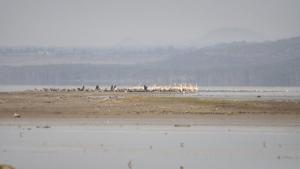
{"x":16,"y":115}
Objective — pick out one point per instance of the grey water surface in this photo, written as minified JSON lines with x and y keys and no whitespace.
{"x":149,"y":147}
{"x":250,"y":93}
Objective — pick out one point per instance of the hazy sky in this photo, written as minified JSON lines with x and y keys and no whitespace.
{"x":109,"y":22}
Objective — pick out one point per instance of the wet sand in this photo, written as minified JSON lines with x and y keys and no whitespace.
{"x":106,"y":108}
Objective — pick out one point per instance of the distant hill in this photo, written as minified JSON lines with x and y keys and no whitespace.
{"x":228,"y":35}
{"x":20,"y":56}
{"x":235,"y":64}
{"x":240,"y":63}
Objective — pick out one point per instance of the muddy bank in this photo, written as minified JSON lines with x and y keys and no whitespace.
{"x":142,"y":108}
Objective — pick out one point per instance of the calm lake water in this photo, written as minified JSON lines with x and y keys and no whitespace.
{"x":250,"y":93}
{"x":150,"y":147}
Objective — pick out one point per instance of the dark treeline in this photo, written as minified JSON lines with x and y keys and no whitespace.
{"x":240,"y":63}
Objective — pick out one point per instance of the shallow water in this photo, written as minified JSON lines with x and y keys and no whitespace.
{"x":250,"y":93}
{"x":148,"y":147}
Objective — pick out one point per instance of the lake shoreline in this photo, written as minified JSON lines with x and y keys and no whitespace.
{"x":117,"y":130}
{"x":110,"y":108}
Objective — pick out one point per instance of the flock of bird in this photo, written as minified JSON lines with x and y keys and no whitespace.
{"x":180,"y":88}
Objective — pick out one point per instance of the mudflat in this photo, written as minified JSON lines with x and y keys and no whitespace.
{"x":143,"y":108}
{"x":138,"y":130}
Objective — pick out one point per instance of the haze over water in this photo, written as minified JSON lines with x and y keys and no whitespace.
{"x":142,"y":23}
{"x":244,"y":56}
